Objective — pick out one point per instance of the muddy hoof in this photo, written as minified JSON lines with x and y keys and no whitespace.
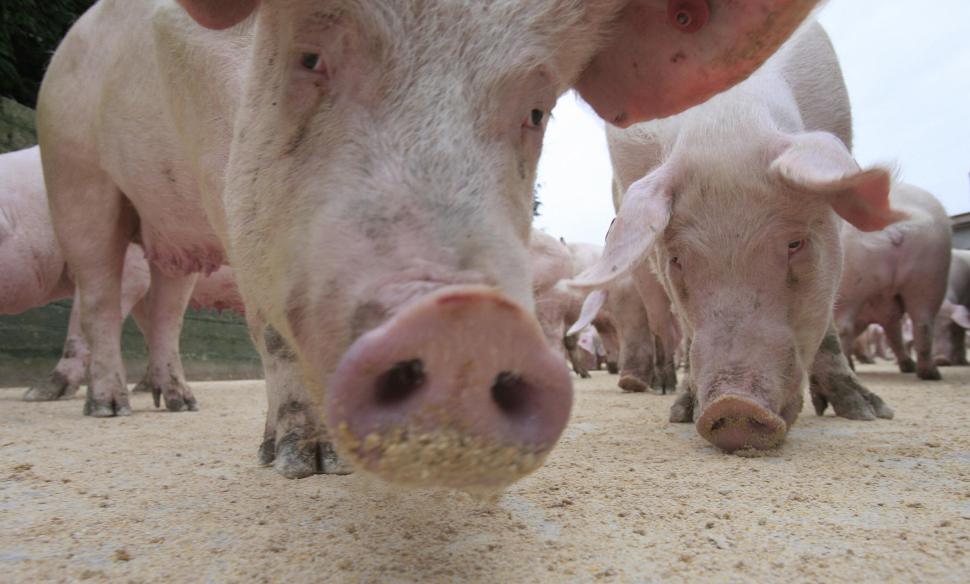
{"x":295,"y":457}
{"x":54,"y":387}
{"x":907,"y":366}
{"x":682,"y":411}
{"x":929,"y":374}
{"x":849,"y":399}
{"x":631,"y":384}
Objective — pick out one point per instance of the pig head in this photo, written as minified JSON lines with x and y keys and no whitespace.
{"x":378,"y":197}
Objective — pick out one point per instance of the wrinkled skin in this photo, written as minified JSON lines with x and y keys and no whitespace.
{"x":952,"y":321}
{"x":735,"y":205}
{"x":368,"y":170}
{"x":901,"y":269}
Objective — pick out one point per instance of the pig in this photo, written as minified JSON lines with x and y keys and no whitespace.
{"x":953,"y":319}
{"x":900,"y":269}
{"x":648,"y":334}
{"x":36,"y":274}
{"x":551,"y":267}
{"x":869,"y":345}
{"x":736,"y":207}
{"x":593,"y":353}
{"x":603,"y":322}
{"x":368,"y":171}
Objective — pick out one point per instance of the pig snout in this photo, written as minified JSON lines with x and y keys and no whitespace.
{"x":459,"y":389}
{"x":735,"y":422}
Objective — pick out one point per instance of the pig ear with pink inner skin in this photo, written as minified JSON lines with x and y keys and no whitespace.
{"x":664,"y":57}
{"x":961,"y":316}
{"x":218,"y":14}
{"x":642,"y":217}
{"x":818,"y":163}
{"x":591,"y":307}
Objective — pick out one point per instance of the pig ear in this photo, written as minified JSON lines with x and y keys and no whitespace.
{"x":818,"y":163}
{"x":643,"y":216}
{"x":664,"y":57}
{"x":961,"y":316}
{"x":219,"y":14}
{"x":591,"y":307}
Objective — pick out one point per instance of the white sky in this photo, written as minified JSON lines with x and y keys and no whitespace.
{"x":907,"y":67}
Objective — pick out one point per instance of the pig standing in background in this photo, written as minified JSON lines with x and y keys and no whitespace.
{"x":735,"y":205}
{"x":35,"y":274}
{"x":953,"y":319}
{"x":551,"y":267}
{"x":585,"y":255}
{"x":368,"y":168}
{"x":900,"y":269}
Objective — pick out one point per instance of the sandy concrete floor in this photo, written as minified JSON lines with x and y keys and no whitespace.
{"x":626,"y":497}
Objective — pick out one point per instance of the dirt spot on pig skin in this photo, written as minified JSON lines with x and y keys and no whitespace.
{"x":830,"y":344}
{"x":276,"y":346}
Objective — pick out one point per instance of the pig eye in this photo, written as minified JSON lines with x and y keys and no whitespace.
{"x":313,"y":62}
{"x":536,"y":117}
{"x":795,"y":246}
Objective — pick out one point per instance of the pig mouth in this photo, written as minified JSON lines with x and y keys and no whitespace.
{"x":736,"y":422}
{"x":458,"y":389}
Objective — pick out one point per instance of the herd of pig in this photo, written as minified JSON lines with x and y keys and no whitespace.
{"x":367,"y":170}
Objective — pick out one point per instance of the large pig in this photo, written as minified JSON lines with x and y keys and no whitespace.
{"x":35,"y":274}
{"x":736,"y":206}
{"x":953,"y":319}
{"x":368,"y":168}
{"x":900,"y":269}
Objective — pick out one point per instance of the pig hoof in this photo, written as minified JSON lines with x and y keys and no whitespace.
{"x":820,"y":403}
{"x":583,"y":374}
{"x":929,"y":374}
{"x":54,"y":387}
{"x":907,"y":366}
{"x":178,"y":396}
{"x":682,"y":412}
{"x":612,"y":368}
{"x":295,"y":457}
{"x":849,"y":399}
{"x":631,"y":384}
{"x":97,"y":409}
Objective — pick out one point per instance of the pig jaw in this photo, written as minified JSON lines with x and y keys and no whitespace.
{"x":458,"y":389}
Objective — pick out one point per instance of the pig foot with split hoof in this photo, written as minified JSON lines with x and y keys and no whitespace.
{"x":848,"y":398}
{"x":107,"y":398}
{"x":631,"y":384}
{"x":171,"y":386}
{"x":928,"y":373}
{"x":612,"y":367}
{"x":54,"y":387}
{"x":907,"y":366}
{"x":665,"y":381}
{"x":682,"y":411}
{"x":296,"y":448}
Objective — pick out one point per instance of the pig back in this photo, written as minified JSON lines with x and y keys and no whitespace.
{"x":811,"y":68}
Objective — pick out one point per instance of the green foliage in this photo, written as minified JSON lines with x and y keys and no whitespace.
{"x":29,"y":32}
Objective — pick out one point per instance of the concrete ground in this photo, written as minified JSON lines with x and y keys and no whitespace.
{"x":626,"y":497}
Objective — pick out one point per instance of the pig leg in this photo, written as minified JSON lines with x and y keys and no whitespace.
{"x":923,"y":342}
{"x":894,"y":334}
{"x":833,"y":382}
{"x":611,"y":344}
{"x":682,"y":410}
{"x":958,"y":344}
{"x":575,"y":357}
{"x":69,"y":372}
{"x":166,"y":302}
{"x":86,"y":202}
{"x":140,"y":315}
{"x":295,"y":441}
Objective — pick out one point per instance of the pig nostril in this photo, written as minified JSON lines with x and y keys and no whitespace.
{"x":509,"y":393}
{"x":400,"y":382}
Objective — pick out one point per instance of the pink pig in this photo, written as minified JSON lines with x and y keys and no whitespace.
{"x":736,"y":206}
{"x":953,"y":320}
{"x":900,"y":269}
{"x":368,"y":168}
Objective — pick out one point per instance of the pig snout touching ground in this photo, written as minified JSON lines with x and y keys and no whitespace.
{"x":953,"y":319}
{"x":899,"y":270}
{"x":360,"y":165}
{"x":736,"y":206}
{"x":462,"y":385}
